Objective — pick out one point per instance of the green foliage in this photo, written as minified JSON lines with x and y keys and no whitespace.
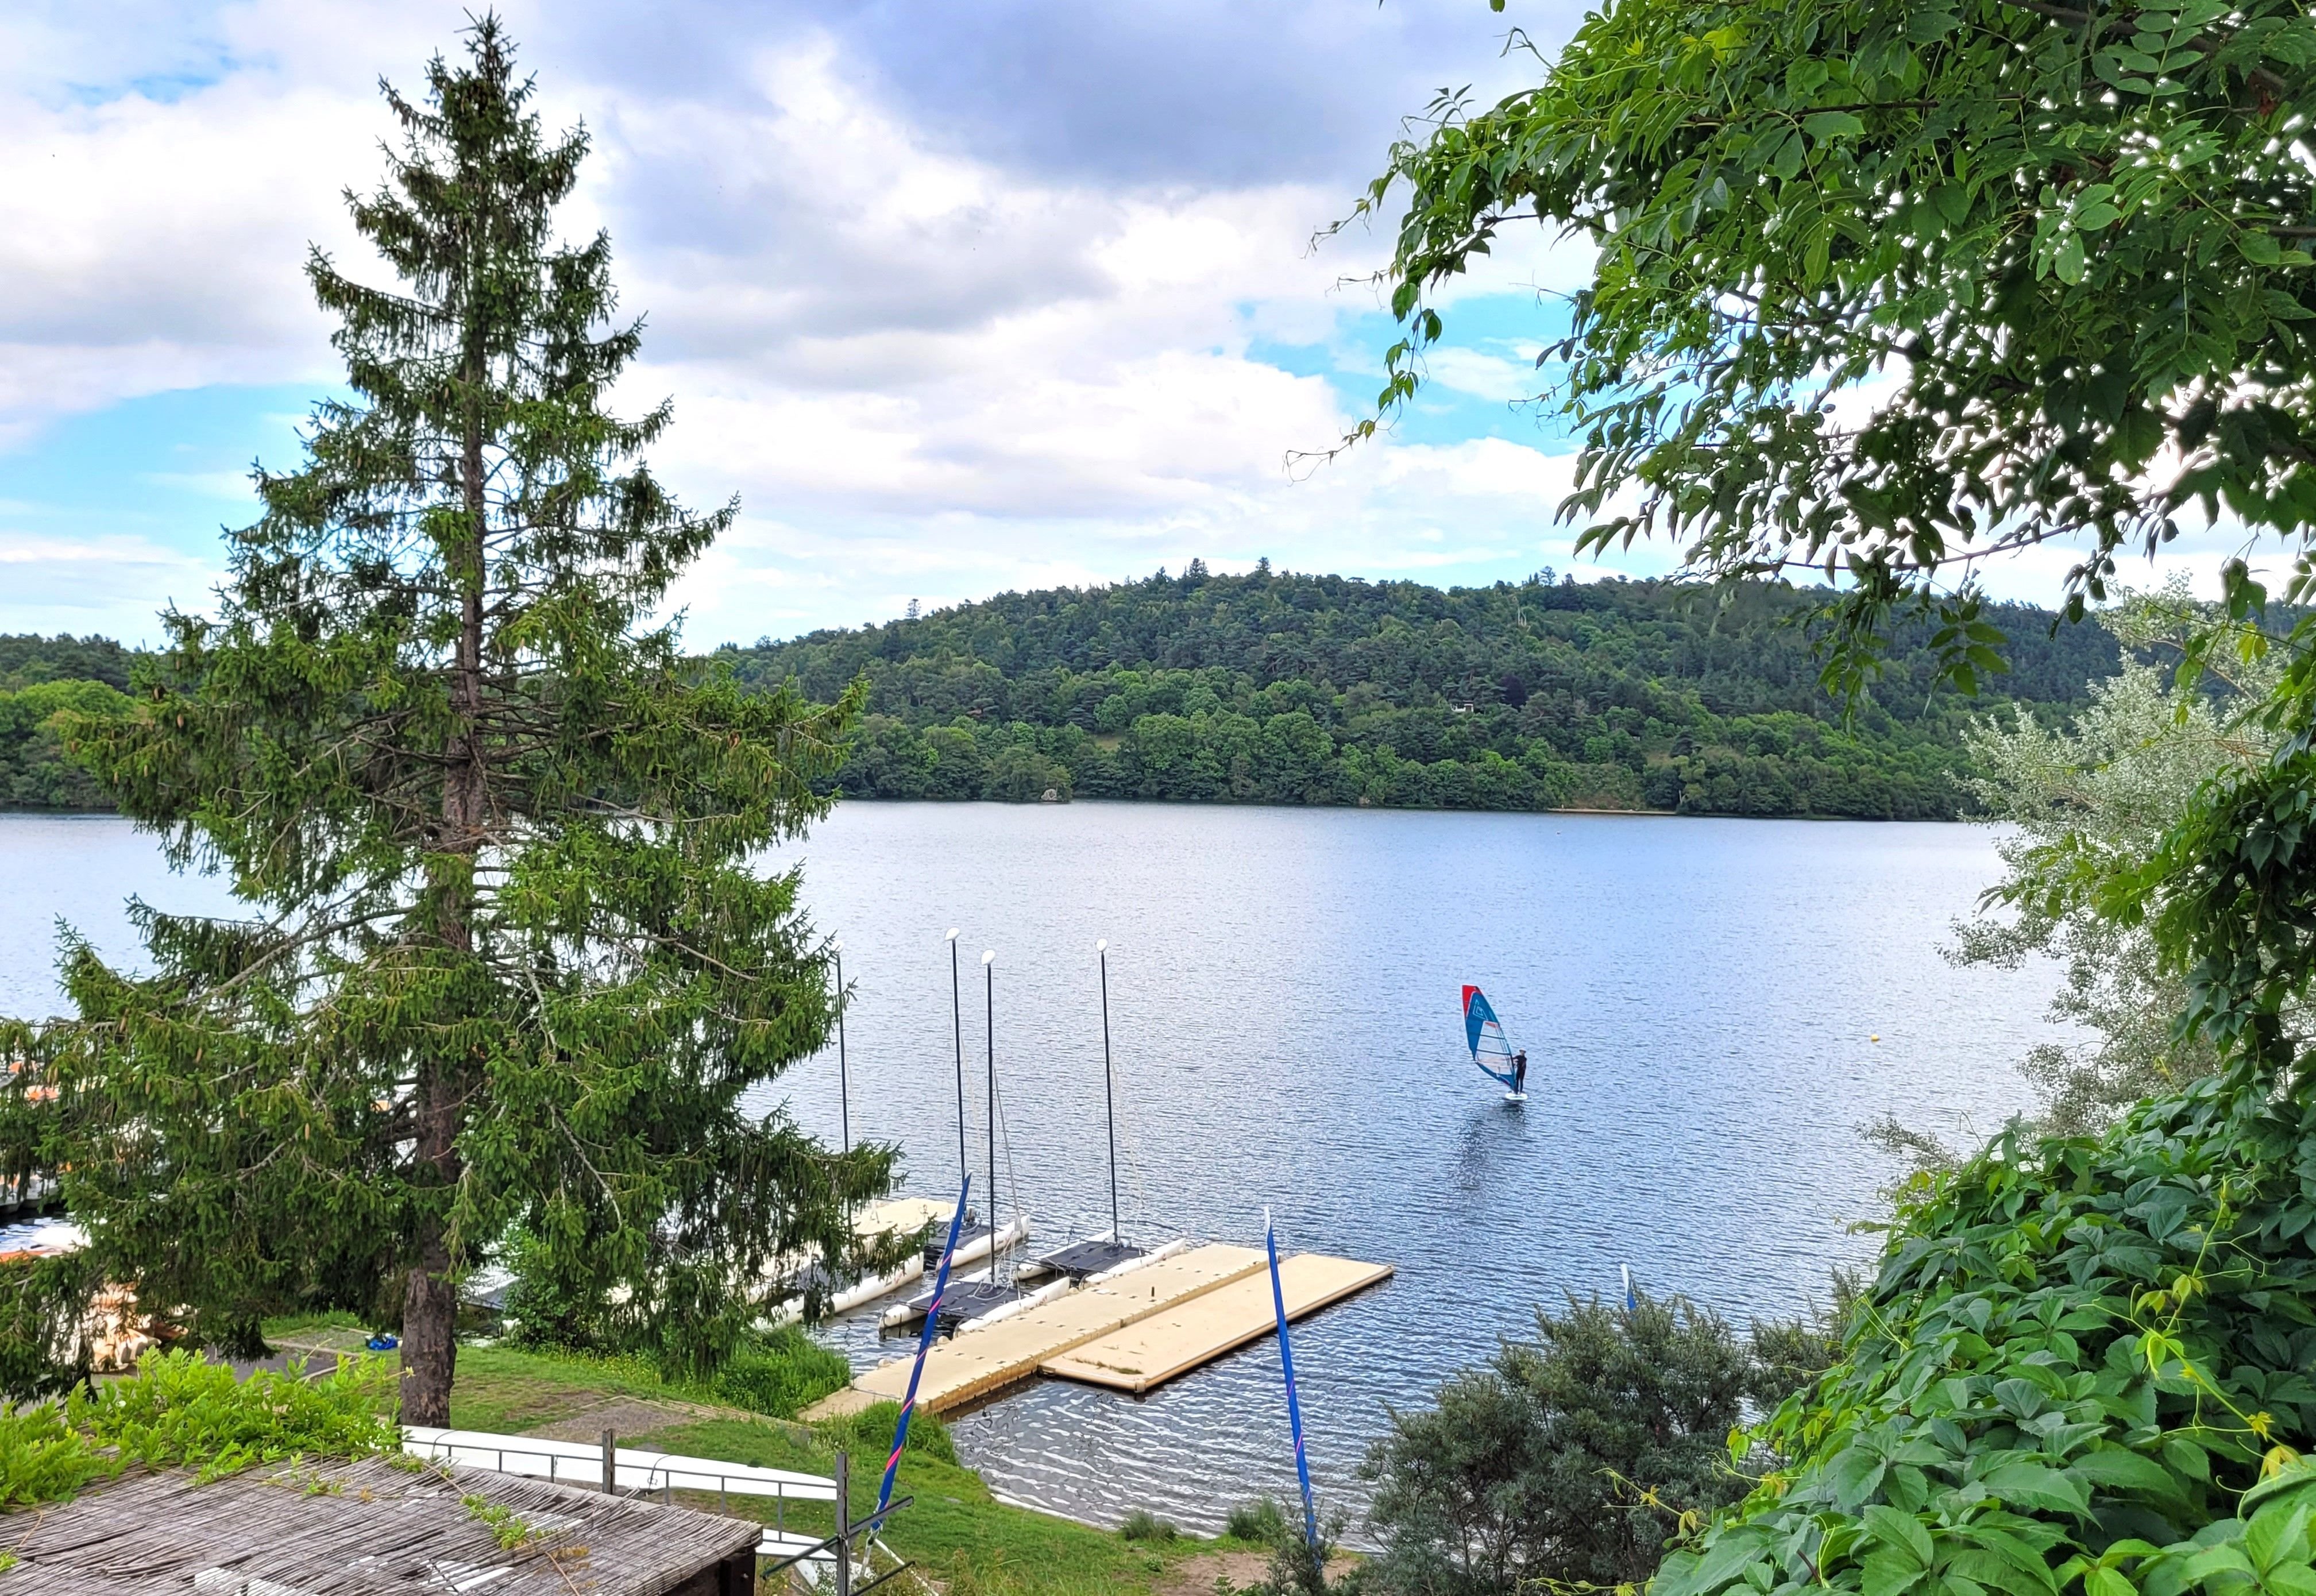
{"x":41,"y":1304}
{"x":868,"y":1433}
{"x":181,"y":1412}
{"x":781,"y":1374}
{"x":2077,"y":1357}
{"x":507,"y":1528}
{"x":43,"y":1458}
{"x":1886,"y":289}
{"x":1569,"y":1459}
{"x":178,"y":1412}
{"x":2082,"y":810}
{"x":35,"y":772}
{"x":28,"y":659}
{"x":1144,"y":1525}
{"x":1262,"y":1520}
{"x":1277,"y":687}
{"x":511,"y":967}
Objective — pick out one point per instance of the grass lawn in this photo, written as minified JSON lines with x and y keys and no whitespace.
{"x":955,"y":1531}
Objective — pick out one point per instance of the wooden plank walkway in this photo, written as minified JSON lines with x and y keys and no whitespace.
{"x":972,"y":1365}
{"x":1160,"y":1346}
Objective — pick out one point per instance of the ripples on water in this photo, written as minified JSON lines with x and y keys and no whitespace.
{"x":1696,"y":998}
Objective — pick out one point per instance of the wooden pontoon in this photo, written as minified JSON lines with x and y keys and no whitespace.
{"x":1164,"y":1345}
{"x":1167,"y":1292}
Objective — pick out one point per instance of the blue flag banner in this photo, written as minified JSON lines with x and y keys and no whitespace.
{"x":1294,"y":1407}
{"x":924,"y":1345}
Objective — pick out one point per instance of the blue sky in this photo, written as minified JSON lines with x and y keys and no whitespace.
{"x":995,"y":294}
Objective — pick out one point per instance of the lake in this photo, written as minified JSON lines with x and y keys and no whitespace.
{"x":1699,"y":1000}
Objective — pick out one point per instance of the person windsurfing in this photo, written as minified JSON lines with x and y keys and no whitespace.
{"x":1484,"y":1033}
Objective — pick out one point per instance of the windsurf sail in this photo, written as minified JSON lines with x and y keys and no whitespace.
{"x":1484,"y":1033}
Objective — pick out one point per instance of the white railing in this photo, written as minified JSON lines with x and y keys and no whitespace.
{"x":576,"y":1463}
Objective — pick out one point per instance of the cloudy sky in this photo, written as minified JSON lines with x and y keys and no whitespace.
{"x":957,"y":296}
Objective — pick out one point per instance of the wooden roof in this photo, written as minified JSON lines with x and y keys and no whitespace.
{"x":362,"y":1529}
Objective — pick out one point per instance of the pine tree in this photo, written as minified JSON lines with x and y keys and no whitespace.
{"x":511,"y":974}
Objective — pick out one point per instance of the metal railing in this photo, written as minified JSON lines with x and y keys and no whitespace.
{"x":608,"y":1466}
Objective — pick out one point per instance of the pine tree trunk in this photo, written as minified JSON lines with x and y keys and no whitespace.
{"x":430,"y":1346}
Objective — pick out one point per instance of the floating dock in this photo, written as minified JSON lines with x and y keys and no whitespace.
{"x":1038,"y":1340}
{"x":1172,"y":1341}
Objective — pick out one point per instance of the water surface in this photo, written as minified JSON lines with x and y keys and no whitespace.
{"x":1698,"y":998}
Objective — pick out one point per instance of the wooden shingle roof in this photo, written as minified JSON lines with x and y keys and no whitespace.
{"x":362,"y":1529}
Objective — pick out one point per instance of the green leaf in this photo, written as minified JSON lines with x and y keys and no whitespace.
{"x":1855,"y":1475}
{"x":2123,"y":1470}
{"x":2037,"y":1485}
{"x":1824,"y":125}
{"x":2257,"y":247}
{"x":1900,"y":1531}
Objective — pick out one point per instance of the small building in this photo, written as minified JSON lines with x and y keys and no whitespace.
{"x":377,"y":1527}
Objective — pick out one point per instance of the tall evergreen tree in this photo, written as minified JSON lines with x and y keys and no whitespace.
{"x":514,"y":973}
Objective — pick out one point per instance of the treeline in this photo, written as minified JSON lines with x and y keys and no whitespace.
{"x":1277,"y":687}
{"x":1282,"y":688}
{"x":40,"y":678}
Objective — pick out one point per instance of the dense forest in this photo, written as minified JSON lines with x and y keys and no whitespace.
{"x":1282,"y":688}
{"x":1277,"y":687}
{"x":38,"y":678}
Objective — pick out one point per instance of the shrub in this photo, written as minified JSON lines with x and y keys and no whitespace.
{"x":2078,"y":1360}
{"x":177,"y":1412}
{"x":868,"y":1433}
{"x":1262,"y":1521}
{"x":1568,"y":1458}
{"x":180,"y":1412}
{"x":42,"y":1460}
{"x":1141,"y":1524}
{"x":781,"y":1374}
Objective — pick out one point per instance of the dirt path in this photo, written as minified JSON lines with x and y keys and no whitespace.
{"x":1196,"y":1576}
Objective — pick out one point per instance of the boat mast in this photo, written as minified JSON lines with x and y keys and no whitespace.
{"x":1109,"y":1089}
{"x":957,"y":1024}
{"x":989,"y":1022}
{"x":844,"y":1084}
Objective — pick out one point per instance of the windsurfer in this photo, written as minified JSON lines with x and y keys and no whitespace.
{"x":1519,"y":1071}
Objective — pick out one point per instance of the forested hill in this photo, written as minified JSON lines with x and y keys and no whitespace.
{"x":40,"y":677}
{"x":1275,"y":687}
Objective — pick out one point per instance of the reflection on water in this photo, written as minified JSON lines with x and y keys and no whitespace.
{"x":1696,"y":998}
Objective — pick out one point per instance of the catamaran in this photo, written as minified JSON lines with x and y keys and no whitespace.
{"x":1484,"y":1033}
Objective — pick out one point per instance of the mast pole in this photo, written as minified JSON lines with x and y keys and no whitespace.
{"x":843,"y":1079}
{"x":1109,"y":1089}
{"x":957,"y":1025}
{"x":989,"y":1023}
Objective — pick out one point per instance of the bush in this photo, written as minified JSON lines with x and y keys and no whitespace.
{"x":42,"y":1460}
{"x":177,"y":1412}
{"x":1568,"y":1459}
{"x":868,"y":1433}
{"x":1141,"y":1524}
{"x":180,"y":1412}
{"x":2079,"y":1361}
{"x":1262,"y":1521}
{"x":782,"y":1374}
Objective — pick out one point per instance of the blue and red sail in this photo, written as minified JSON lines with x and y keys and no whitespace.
{"x":1484,"y":1034}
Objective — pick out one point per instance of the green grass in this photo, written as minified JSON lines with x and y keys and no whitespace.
{"x":502,"y":1389}
{"x":955,"y":1531}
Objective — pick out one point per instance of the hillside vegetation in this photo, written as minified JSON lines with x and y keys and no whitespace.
{"x":1282,"y":688}
{"x":1285,"y":689}
{"x":38,"y":678}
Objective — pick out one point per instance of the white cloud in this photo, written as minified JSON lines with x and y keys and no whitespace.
{"x":928,"y":372}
